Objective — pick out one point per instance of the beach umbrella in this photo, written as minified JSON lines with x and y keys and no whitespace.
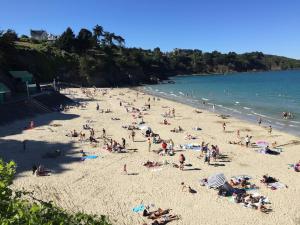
{"x":262,"y":143}
{"x":144,"y":127}
{"x":216,"y":180}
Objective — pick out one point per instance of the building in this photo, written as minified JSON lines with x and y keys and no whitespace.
{"x":5,"y":93}
{"x":39,"y":35}
{"x":26,"y":78}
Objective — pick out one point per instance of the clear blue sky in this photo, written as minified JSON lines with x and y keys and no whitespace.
{"x":271,"y":26}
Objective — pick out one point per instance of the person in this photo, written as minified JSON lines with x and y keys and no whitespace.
{"x":297,"y":167}
{"x":132,"y":135}
{"x":123,"y":142}
{"x":224,"y":126}
{"x":97,"y":107}
{"x":24,"y":145}
{"x":181,"y":161}
{"x":125,"y":169}
{"x":103,"y":132}
{"x":259,"y":121}
{"x":247,"y":141}
{"x":186,"y":188}
{"x":207,"y":156}
{"x":149,"y":144}
{"x":238,"y":133}
{"x":171,"y":145}
{"x":165,"y":122}
{"x":120,"y":103}
{"x":31,"y":124}
{"x":173,"y":112}
{"x":165,"y":219}
{"x":270,"y":130}
{"x":164,"y":146}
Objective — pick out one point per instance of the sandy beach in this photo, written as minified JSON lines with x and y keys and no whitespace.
{"x":99,"y":185}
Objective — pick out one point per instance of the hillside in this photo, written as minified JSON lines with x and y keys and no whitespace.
{"x":100,"y":58}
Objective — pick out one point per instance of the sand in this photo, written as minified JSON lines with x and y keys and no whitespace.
{"x":99,"y":185}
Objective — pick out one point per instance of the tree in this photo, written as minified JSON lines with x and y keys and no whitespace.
{"x":120,"y":40}
{"x":67,"y":40}
{"x":98,"y":32}
{"x":10,"y":35}
{"x":84,"y":40}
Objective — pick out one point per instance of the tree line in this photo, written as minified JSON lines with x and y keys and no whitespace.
{"x":99,"y":57}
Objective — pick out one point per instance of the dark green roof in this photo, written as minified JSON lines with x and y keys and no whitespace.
{"x":3,"y":88}
{"x":23,"y":75}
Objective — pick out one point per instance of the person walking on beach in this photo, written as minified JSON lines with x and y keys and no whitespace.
{"x":238,"y":133}
{"x":224,"y":126}
{"x":173,"y":112}
{"x":270,"y":130}
{"x":247,"y":141}
{"x":103,"y":133}
{"x":132,"y":134}
{"x":125,"y":169}
{"x":149,"y":144}
{"x":24,"y":145}
{"x":259,"y":121}
{"x":123,"y":142}
{"x":97,"y":107}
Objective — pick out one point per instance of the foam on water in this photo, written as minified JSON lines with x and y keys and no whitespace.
{"x":243,"y":95}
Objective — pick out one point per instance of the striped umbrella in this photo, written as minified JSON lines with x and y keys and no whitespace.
{"x":216,"y":180}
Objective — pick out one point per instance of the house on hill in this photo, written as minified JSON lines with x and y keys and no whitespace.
{"x":40,"y":35}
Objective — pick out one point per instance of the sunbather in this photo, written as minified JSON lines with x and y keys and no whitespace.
{"x":165,"y":219}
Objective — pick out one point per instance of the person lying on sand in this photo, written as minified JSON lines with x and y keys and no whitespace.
{"x":297,"y":167}
{"x":267,"y":179}
{"x":189,"y":137}
{"x":150,"y":164}
{"x":40,"y":171}
{"x":236,"y":143}
{"x":115,"y":118}
{"x":155,"y":214}
{"x":165,"y":219}
{"x":177,"y":130}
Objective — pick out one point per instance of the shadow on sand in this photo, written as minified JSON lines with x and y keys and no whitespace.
{"x":38,"y":152}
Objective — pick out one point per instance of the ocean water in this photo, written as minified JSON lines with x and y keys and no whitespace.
{"x":245,"y":96}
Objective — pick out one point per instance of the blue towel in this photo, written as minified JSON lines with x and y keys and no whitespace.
{"x":138,"y":208}
{"x":90,"y":157}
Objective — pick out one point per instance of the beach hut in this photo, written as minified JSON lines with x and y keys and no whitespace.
{"x":26,"y":78}
{"x":4,"y":93}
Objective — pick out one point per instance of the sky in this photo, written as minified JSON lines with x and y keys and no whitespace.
{"x":270,"y":26}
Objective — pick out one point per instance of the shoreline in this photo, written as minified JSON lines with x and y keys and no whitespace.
{"x":217,"y":111}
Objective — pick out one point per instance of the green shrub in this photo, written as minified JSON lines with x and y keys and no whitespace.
{"x":16,"y":209}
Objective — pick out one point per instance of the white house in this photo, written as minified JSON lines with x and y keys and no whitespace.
{"x":40,"y":35}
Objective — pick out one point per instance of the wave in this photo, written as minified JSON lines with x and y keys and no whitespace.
{"x":181,"y":93}
{"x":205,"y":99}
{"x":246,"y":108}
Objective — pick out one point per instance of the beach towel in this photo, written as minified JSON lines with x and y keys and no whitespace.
{"x":276,"y":185}
{"x":139,"y":208}
{"x":195,"y":147}
{"x":89,"y":157}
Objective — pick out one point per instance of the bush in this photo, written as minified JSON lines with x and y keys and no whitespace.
{"x":16,"y":209}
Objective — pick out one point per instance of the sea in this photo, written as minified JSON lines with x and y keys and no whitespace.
{"x":246,"y":96}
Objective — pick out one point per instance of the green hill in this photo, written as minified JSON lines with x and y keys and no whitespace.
{"x":100,"y":58}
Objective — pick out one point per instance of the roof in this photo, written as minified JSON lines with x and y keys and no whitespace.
{"x":37,"y":32}
{"x":23,"y":75}
{"x":4,"y":88}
